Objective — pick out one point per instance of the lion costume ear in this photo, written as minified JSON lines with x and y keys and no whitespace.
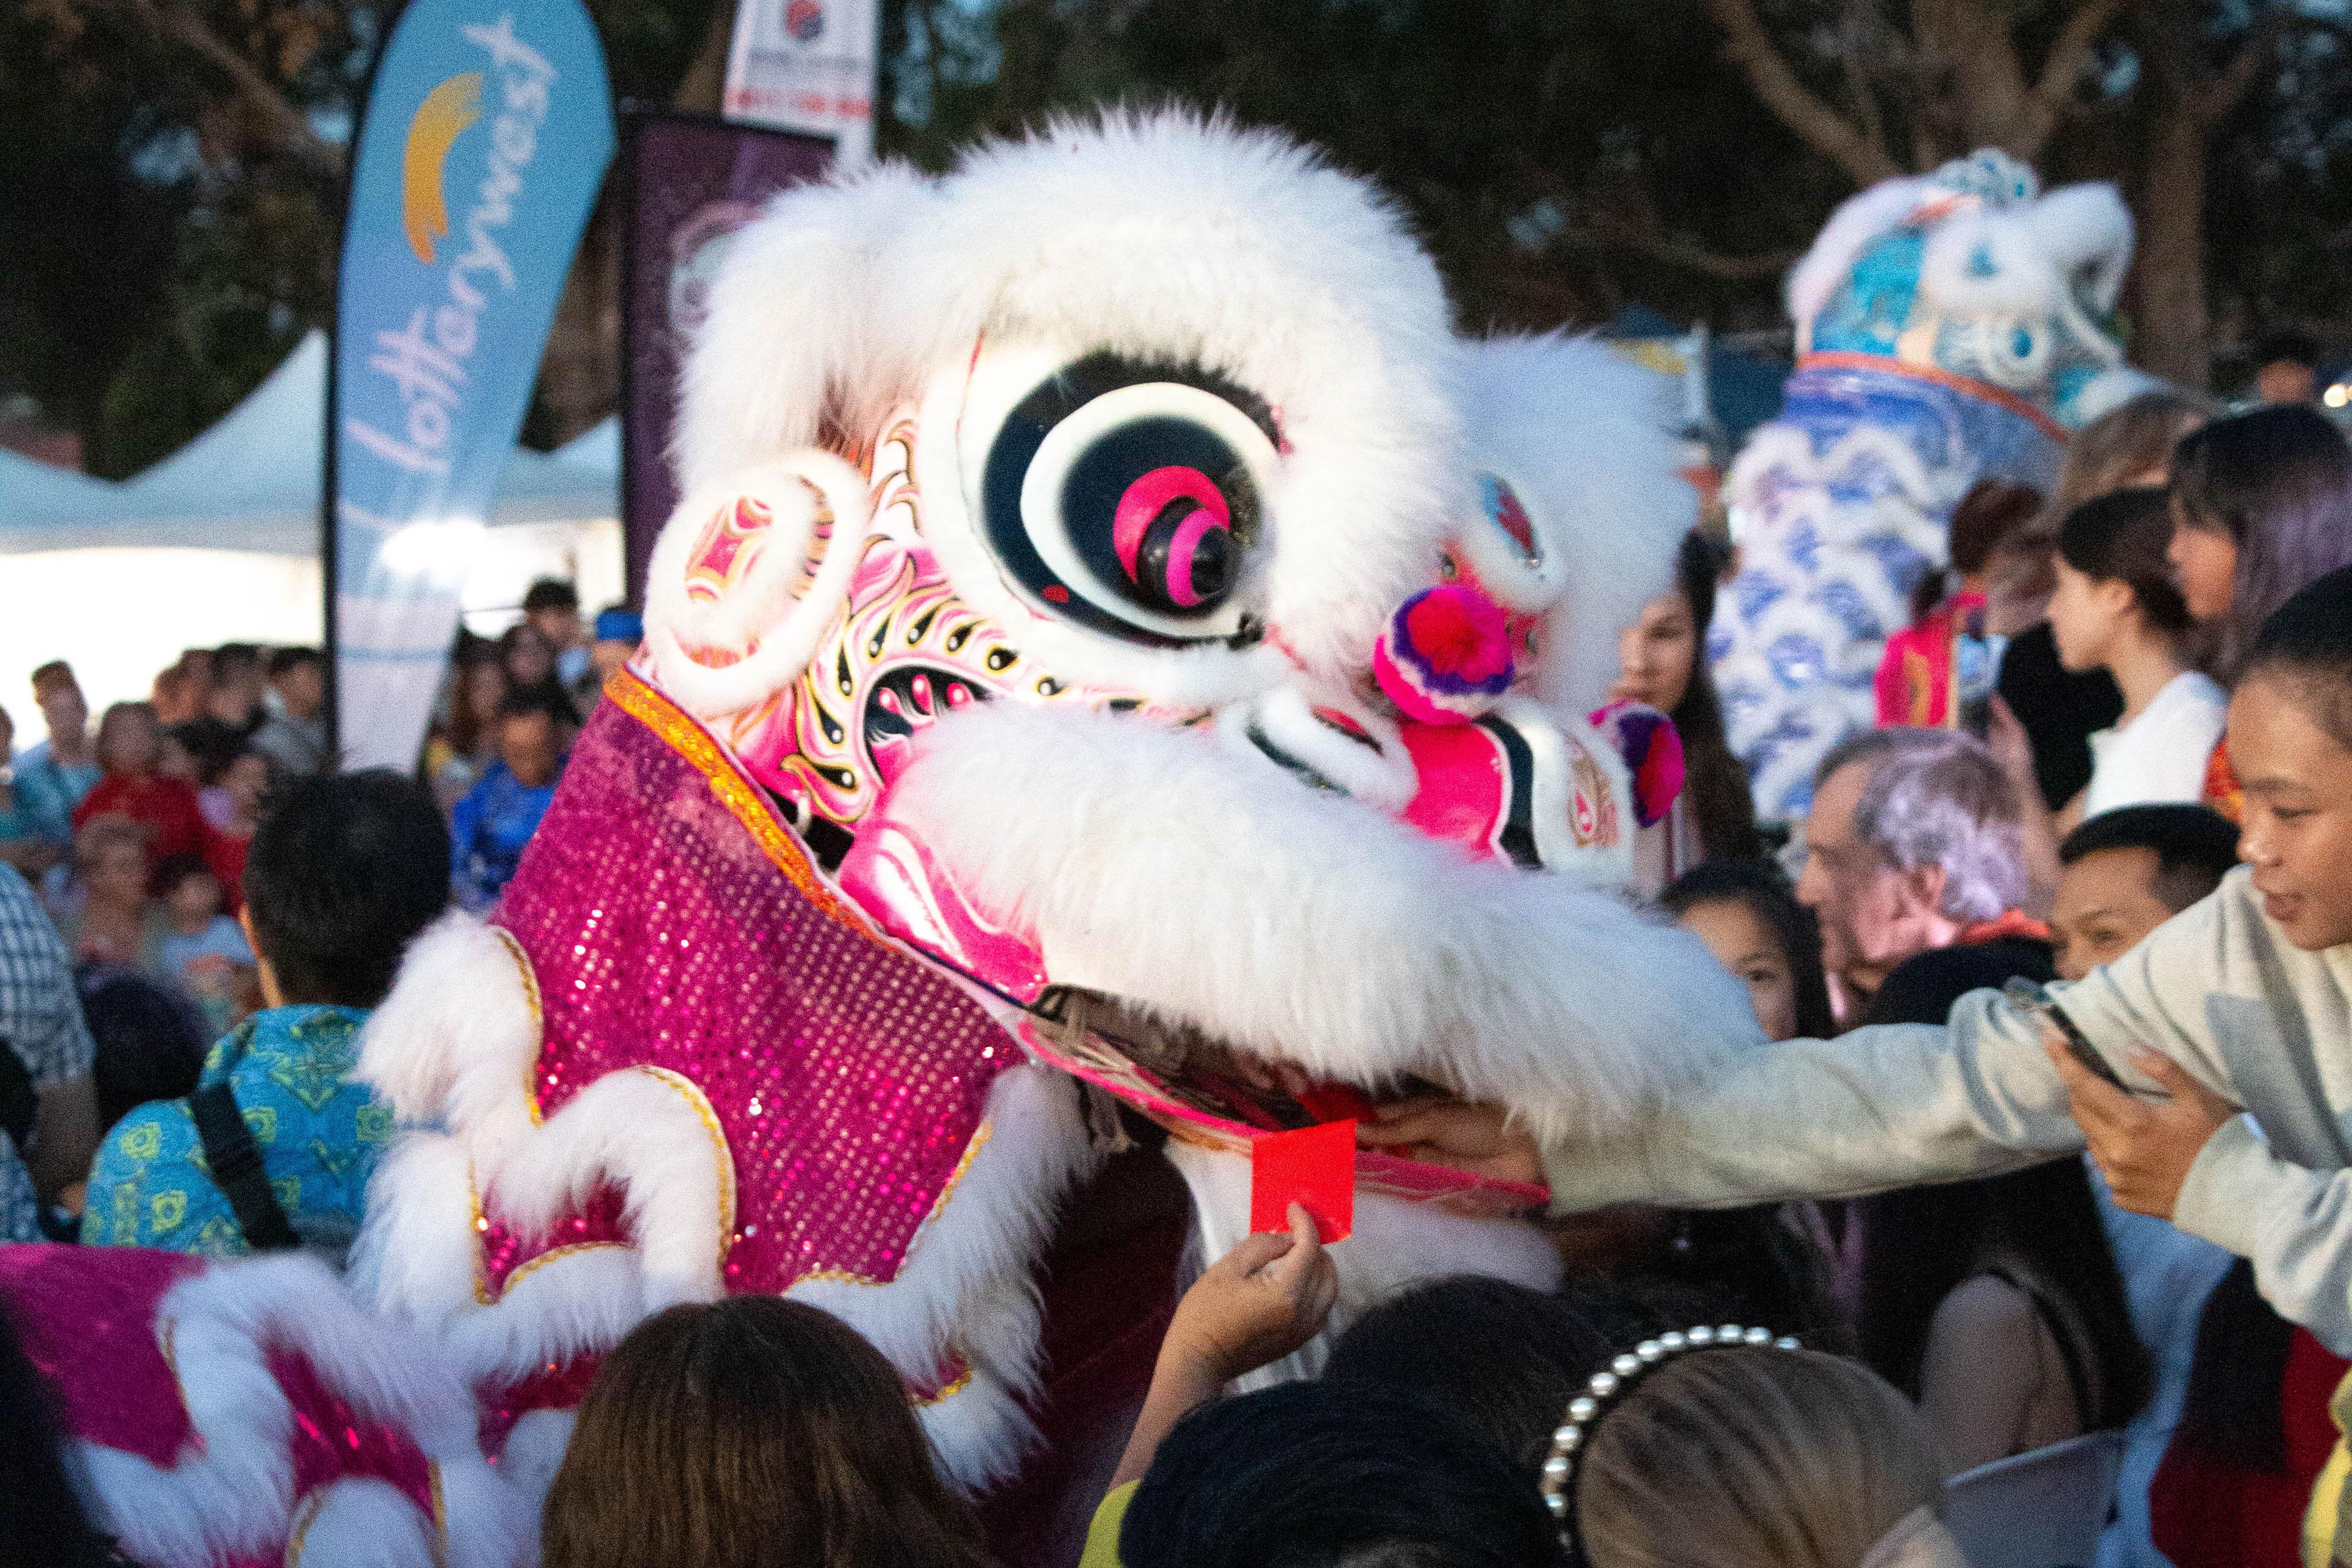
{"x":811,"y":335}
{"x":746,"y":577}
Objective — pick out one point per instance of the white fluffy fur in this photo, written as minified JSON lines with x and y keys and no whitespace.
{"x":2036,"y":251}
{"x":766,"y":610}
{"x":236,"y":1496}
{"x":1285,"y":717}
{"x":360,"y":1523}
{"x":1156,"y":236}
{"x":1309,"y":928}
{"x":1394,"y":1243}
{"x":1582,"y":435}
{"x":453,"y":1045}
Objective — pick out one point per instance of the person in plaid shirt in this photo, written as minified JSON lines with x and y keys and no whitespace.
{"x":49,"y":1108}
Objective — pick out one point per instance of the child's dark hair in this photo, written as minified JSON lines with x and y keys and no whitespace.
{"x":1920,"y":1243}
{"x":344,"y":871}
{"x":2309,"y":642}
{"x":2231,"y":1412}
{"x":178,"y":868}
{"x":1333,"y":1474}
{"x":748,"y":1432}
{"x":2278,"y":481}
{"x":2122,"y":536}
{"x":1988,"y":515}
{"x":2194,"y":846}
{"x":1503,"y":1357}
{"x":1714,"y":784}
{"x":1760,"y":884}
{"x":149,"y":1039}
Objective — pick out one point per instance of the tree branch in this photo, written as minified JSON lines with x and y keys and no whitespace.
{"x":178,"y":25}
{"x":2055,"y":90}
{"x":1813,"y":122}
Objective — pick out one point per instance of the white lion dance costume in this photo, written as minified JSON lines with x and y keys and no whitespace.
{"x":1114,"y":624}
{"x":1949,"y":329}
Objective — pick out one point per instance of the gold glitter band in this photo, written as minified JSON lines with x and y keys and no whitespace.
{"x":677,"y":730}
{"x":947,"y":1392}
{"x":537,"y":1017}
{"x":531,"y":1266}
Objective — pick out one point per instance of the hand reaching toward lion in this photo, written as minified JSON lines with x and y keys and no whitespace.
{"x":1468,"y":1136}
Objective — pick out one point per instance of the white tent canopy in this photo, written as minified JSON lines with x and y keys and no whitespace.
{"x":219,"y":541}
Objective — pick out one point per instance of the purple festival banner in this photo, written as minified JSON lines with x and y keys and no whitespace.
{"x":691,"y":182}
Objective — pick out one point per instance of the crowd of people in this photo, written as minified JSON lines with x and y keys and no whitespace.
{"x":1826,"y":1297}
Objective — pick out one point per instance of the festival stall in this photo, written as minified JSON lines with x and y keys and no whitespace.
{"x":219,"y":541}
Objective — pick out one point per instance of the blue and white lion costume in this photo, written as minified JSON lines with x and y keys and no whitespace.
{"x":1950,"y":328}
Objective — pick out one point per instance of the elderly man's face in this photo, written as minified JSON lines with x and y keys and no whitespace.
{"x":1872,"y":915}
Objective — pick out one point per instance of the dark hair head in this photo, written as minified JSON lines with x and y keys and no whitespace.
{"x":343,"y":870}
{"x":1333,"y":1474}
{"x":174,"y":870}
{"x":1989,"y":516}
{"x":2194,"y":846}
{"x":1989,"y":513}
{"x":1714,"y":784}
{"x":1918,"y":1244}
{"x":2308,"y":643}
{"x":550,"y":594}
{"x":533,"y":704}
{"x":2289,"y":347}
{"x":151,"y":1040}
{"x":1758,"y":883}
{"x":2122,"y":536}
{"x":1504,"y":1358}
{"x":2278,"y":481}
{"x":56,"y":672}
{"x":235,"y":659}
{"x":287,"y":660}
{"x":749,"y":1432}
{"x":2232,"y":1414}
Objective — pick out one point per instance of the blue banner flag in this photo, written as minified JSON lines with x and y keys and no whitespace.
{"x":488,"y":132}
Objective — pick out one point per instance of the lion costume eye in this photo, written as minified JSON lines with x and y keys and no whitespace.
{"x":1123,"y":494}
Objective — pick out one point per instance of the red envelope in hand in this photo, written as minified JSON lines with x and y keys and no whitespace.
{"x":1314,"y":1166}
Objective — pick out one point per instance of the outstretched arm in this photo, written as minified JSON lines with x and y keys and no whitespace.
{"x":1258,"y":1303}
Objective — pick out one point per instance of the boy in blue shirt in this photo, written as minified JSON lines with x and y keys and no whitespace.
{"x":274,"y":1147}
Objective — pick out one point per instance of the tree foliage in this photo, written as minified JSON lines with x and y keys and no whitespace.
{"x":167,"y":230}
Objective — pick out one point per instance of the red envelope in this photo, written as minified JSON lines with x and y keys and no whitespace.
{"x":1314,"y":1167}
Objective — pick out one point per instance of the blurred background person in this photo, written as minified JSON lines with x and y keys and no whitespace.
{"x":528,"y":658}
{"x":133,"y":784}
{"x":294,"y":734}
{"x":494,"y":823}
{"x":111,"y":919}
{"x":551,"y":606}
{"x":2286,"y":368}
{"x":465,"y":743}
{"x":2061,"y":710}
{"x":2126,"y":872}
{"x":2117,"y":609}
{"x":63,"y":767}
{"x":1944,"y":653}
{"x":30,"y":837}
{"x":1660,"y":664}
{"x":2262,"y":506}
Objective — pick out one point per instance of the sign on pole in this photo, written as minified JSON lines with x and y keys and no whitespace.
{"x":807,"y":65}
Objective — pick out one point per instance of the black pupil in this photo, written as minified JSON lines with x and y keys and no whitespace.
{"x":1101,"y":477}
